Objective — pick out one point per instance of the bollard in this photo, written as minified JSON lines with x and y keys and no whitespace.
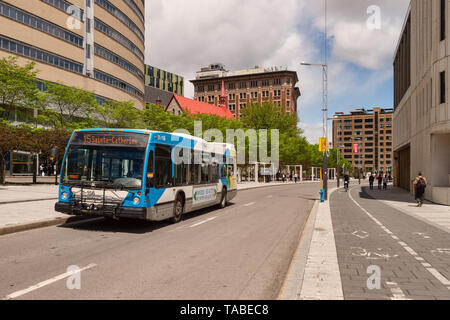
{"x":322,"y":195}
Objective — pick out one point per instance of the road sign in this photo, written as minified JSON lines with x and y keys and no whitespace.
{"x":323,"y":144}
{"x":356,"y":148}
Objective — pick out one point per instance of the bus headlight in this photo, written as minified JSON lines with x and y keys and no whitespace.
{"x":64,"y":196}
{"x":136,"y":201}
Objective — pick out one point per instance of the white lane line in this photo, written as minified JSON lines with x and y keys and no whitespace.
{"x":202,"y":222}
{"x":424,"y":263}
{"x":47,"y":282}
{"x":249,"y":204}
{"x":397,"y":293}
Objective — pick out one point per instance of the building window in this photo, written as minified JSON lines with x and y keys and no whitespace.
{"x":254,"y":95}
{"x":232,"y":97}
{"x":265,"y":83}
{"x":443,"y":15}
{"x":277,"y":82}
{"x":443,"y":87}
{"x":243,"y":85}
{"x":211,"y":87}
{"x":254,"y":84}
{"x":200,"y":89}
{"x":243,"y":95}
{"x":265,"y":94}
{"x":232,"y":86}
{"x":232,"y":107}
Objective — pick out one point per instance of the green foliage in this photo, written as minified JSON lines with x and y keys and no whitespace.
{"x":17,"y":84}
{"x":67,"y":107}
{"x":121,"y":115}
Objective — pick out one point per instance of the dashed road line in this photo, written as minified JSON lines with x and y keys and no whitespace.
{"x":397,"y":293}
{"x":47,"y":282}
{"x":249,"y":204}
{"x":202,"y":222}
{"x":423,"y":262}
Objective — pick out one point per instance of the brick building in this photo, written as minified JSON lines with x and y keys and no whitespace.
{"x":243,"y":86}
{"x":372,"y":129}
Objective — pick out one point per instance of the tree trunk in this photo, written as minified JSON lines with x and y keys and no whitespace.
{"x":2,"y":169}
{"x":34,"y":169}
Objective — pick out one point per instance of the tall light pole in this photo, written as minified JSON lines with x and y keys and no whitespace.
{"x":325,"y":119}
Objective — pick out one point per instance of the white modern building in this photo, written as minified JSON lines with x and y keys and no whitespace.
{"x":422,"y":99}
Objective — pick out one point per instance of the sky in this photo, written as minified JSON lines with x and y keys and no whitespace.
{"x":183,"y":36}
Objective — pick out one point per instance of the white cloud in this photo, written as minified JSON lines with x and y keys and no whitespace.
{"x":183,"y":36}
{"x":312,"y":131}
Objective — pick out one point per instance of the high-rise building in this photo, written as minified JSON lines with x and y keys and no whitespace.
{"x":97,"y":45}
{"x":421,"y":94}
{"x":372,"y":131}
{"x":161,"y":85}
{"x":243,"y":86}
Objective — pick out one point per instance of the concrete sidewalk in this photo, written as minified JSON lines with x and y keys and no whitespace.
{"x":437,"y":215}
{"x":33,"y":206}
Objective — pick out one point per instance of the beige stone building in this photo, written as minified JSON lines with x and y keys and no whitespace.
{"x":243,"y":86}
{"x":96,"y":45}
{"x":421,"y":94}
{"x":372,"y":131}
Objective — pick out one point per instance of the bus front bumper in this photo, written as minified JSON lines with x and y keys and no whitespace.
{"x":121,"y":212}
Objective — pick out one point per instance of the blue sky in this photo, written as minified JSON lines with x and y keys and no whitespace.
{"x":183,"y":36}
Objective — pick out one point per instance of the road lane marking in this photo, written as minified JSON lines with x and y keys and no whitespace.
{"x":423,"y":262}
{"x":202,"y":222}
{"x":397,"y":293}
{"x":47,"y":282}
{"x":249,"y":204}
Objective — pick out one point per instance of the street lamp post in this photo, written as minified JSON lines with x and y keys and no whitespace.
{"x":335,"y":118}
{"x":325,"y":120}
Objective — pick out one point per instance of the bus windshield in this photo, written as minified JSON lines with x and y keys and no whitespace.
{"x":104,"y":166}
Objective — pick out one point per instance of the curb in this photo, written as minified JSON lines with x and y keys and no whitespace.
{"x":41,"y":224}
{"x":24,"y":201}
{"x":293,"y":282}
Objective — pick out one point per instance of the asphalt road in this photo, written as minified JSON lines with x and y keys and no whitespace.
{"x":241,"y":252}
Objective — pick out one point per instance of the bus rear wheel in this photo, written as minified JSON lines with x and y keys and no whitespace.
{"x":178,"y":210}
{"x":223,"y":200}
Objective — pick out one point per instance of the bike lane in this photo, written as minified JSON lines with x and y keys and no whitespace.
{"x":373,"y":239}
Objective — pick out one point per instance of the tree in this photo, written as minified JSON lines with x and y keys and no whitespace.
{"x":115,"y":114}
{"x":17,"y":85}
{"x":68,"y":107}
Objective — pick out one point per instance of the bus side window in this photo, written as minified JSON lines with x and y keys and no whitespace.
{"x":163,"y":167}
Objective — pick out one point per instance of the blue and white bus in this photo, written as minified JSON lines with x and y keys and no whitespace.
{"x":141,"y":174}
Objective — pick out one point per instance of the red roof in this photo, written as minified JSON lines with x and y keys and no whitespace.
{"x":197,"y":107}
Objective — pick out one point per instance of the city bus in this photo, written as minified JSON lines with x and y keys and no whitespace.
{"x":142,"y":174}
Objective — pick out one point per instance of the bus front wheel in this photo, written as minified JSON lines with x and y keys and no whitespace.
{"x":178,"y":210}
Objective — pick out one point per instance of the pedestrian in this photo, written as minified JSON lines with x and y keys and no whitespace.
{"x":385,"y":182}
{"x":296,"y":177}
{"x":371,"y":181}
{"x":41,"y":170}
{"x":420,"y":184}
{"x":284,"y":178}
{"x":380,"y":181}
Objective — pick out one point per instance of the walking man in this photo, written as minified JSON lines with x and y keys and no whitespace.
{"x":380,"y":181}
{"x":420,"y":184}
{"x":371,"y":181}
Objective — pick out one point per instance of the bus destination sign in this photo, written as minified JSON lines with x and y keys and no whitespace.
{"x":112,"y":139}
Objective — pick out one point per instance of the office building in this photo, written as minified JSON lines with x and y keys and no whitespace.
{"x":372,"y":131}
{"x":421,"y":99}
{"x":96,"y":45}
{"x":241,"y":87}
